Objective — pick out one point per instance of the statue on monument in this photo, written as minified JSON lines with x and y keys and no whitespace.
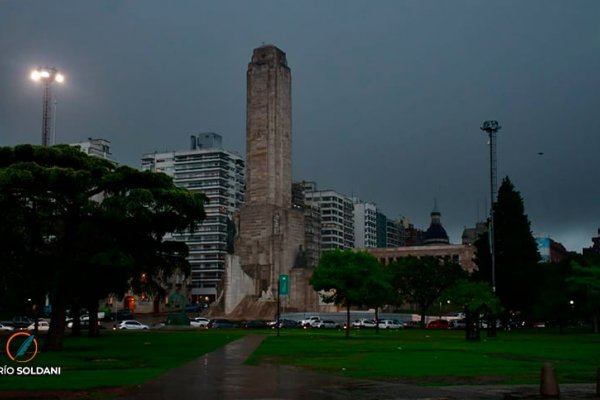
{"x":177,"y":315}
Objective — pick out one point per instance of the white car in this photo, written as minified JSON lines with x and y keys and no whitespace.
{"x":199,"y":322}
{"x":363,"y":323}
{"x":310,"y":321}
{"x":131,"y":324}
{"x":6,"y":328}
{"x":42,"y":326}
{"x":390,"y":324}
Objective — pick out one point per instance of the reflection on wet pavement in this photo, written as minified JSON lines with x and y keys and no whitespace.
{"x":222,"y":375}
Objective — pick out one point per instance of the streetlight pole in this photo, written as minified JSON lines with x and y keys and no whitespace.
{"x":492,"y":127}
{"x":46,"y":75}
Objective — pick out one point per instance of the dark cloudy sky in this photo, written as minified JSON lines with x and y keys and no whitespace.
{"x":388,"y":96}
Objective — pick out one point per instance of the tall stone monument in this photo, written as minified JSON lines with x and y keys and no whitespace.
{"x":270,"y":235}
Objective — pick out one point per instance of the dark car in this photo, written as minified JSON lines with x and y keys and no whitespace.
{"x":438,"y":324}
{"x":288,"y":323}
{"x":221,"y":323}
{"x":120,"y":315}
{"x":254,"y":325}
{"x":194,"y":308}
{"x":19,"y":322}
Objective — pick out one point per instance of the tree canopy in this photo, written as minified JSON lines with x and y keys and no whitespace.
{"x":77,"y":228}
{"x":585,"y":280}
{"x":348,"y":278}
{"x":421,"y":281}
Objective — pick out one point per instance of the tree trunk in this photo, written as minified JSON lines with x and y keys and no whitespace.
{"x":422,"y":323}
{"x":491,"y":328}
{"x":376,"y":320}
{"x":595,"y":322}
{"x":93,"y":329}
{"x":472,"y":327}
{"x":75,"y":314}
{"x":56,"y":333}
{"x":347,"y":321}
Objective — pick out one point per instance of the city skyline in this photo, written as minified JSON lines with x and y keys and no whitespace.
{"x":387,"y":97}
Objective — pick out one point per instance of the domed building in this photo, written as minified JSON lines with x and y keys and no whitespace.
{"x":436,"y":234}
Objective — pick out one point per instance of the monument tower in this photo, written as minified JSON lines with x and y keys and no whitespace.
{"x":269,"y":129}
{"x":270,"y":234}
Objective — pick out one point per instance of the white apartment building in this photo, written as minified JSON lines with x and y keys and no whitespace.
{"x":365,"y":224}
{"x":220,"y":175}
{"x":337,"y":218}
{"x":95,"y":147}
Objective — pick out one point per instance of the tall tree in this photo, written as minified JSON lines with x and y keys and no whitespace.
{"x":348,"y":278}
{"x":421,"y":281}
{"x":87,"y":227}
{"x":516,"y":253}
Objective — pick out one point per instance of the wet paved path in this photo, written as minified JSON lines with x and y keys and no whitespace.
{"x":222,"y":375}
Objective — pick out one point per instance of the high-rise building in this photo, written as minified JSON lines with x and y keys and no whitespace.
{"x":365,"y":224}
{"x":219,"y":174}
{"x":394,"y":233}
{"x":312,"y":221}
{"x":337,"y":218}
{"x":95,"y":147}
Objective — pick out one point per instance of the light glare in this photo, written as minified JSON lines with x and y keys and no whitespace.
{"x":59,"y":78}
{"x":45,"y":74}
{"x":35,"y":75}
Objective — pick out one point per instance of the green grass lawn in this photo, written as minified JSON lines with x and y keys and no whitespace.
{"x":437,"y":357}
{"x":126,"y":359}
{"x":115,"y":359}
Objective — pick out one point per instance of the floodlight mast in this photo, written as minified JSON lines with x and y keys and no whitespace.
{"x":47,"y":75}
{"x":492,"y":127}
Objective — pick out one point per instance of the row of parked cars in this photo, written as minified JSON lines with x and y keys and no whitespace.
{"x":43,"y":325}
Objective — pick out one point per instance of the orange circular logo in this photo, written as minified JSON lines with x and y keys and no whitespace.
{"x":21,"y":347}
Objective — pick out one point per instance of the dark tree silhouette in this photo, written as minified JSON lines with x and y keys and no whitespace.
{"x":83,"y":228}
{"x":517,"y":257}
{"x":421,"y":281}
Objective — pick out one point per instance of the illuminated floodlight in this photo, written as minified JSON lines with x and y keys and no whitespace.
{"x":46,"y":75}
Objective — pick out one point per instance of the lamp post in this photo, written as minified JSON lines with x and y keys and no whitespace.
{"x":46,"y":75}
{"x":491,"y":127}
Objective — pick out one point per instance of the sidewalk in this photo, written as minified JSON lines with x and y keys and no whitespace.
{"x":222,"y":375}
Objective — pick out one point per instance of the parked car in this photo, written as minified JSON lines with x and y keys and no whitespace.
{"x":221,"y":323}
{"x":43,"y":326}
{"x":255,"y":324}
{"x":195,"y":308}
{"x":327,"y":324}
{"x":120,"y":315}
{"x":19,"y":322}
{"x":363,"y":323}
{"x":132,"y":324}
{"x":289,"y":323}
{"x":84,"y":322}
{"x":6,"y":327}
{"x":438,"y":324}
{"x":390,"y":324}
{"x":457,"y":324}
{"x":310,"y":321}
{"x":199,"y":322}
